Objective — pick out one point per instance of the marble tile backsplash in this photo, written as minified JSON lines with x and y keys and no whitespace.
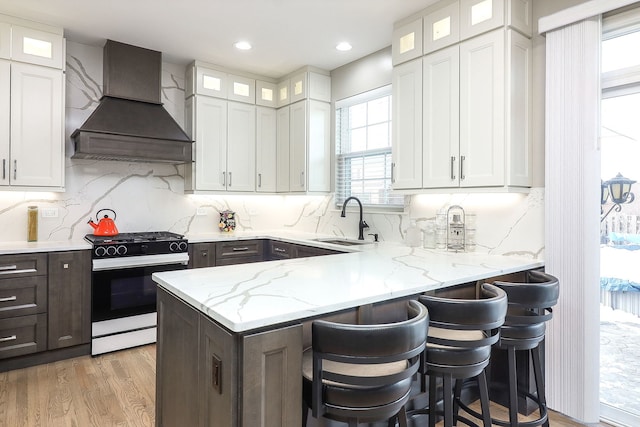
{"x":150,"y":196}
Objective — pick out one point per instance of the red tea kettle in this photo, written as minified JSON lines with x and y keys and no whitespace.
{"x":105,"y":226}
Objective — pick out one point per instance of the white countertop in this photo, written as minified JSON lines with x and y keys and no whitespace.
{"x":250,"y":296}
{"x":22,"y":247}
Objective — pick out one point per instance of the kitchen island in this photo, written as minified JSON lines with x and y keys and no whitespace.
{"x":230,"y":339}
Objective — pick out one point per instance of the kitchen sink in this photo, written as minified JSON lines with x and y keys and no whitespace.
{"x":343,"y":242}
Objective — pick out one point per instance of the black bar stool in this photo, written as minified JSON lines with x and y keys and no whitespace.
{"x":461,"y":333}
{"x":363,"y":373}
{"x":530,"y":305}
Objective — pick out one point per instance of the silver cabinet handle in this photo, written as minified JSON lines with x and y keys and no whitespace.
{"x":224,"y":179}
{"x":11,"y":298}
{"x":9,"y":338}
{"x":462,"y":167}
{"x":4,"y":168}
{"x":453,"y":174}
{"x":259,"y":180}
{"x":229,"y":179}
{"x":8,"y":267}
{"x":393,"y":176}
{"x":242,"y":249}
{"x":15,"y":169}
{"x":279,"y":250}
{"x":302,"y":179}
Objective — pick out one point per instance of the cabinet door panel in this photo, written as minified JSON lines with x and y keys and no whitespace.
{"x":266,"y":153}
{"x":407,"y":125}
{"x":271,"y":384}
{"x":37,"y":47}
{"x":176,"y":379}
{"x":37,"y":154}
{"x":241,"y":147}
{"x":218,"y":376}
{"x":479,"y":16}
{"x":482,"y":121}
{"x":5,"y":119}
{"x":69,"y":298}
{"x":23,"y":335}
{"x":5,"y":41}
{"x":319,"y":147}
{"x":23,"y":296}
{"x":282,"y":162}
{"x":297,"y":146}
{"x":441,"y":122}
{"x":202,"y":255}
{"x":211,"y":143}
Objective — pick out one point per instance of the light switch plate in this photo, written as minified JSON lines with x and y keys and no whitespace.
{"x":201,"y":211}
{"x":49,"y":212}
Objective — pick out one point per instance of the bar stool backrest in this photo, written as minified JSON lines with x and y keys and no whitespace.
{"x":395,"y":344}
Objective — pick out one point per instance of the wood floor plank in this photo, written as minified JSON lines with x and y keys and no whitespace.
{"x":111,"y":390}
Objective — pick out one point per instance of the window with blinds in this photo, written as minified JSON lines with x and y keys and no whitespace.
{"x":363,"y":150}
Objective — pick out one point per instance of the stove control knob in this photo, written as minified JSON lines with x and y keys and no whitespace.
{"x":182,"y":246}
{"x":121,"y":250}
{"x":144,"y":248}
{"x":100,"y":251}
{"x":173,"y":247}
{"x":111,"y":250}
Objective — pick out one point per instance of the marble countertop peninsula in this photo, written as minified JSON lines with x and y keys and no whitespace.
{"x":264,"y":294}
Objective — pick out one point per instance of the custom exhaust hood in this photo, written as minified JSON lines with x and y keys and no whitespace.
{"x":130,"y":122}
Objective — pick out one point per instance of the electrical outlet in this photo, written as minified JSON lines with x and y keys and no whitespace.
{"x":201,"y":211}
{"x":49,"y":212}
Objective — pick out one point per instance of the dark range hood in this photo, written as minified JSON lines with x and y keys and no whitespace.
{"x":130,"y":122}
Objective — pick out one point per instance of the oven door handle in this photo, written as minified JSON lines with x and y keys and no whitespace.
{"x":140,"y":261}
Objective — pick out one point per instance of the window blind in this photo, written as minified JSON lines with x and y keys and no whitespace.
{"x":363,"y":151}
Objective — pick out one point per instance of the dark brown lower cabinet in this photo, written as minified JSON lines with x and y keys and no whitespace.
{"x":202,"y":255}
{"x":208,"y":376}
{"x":69,"y":299}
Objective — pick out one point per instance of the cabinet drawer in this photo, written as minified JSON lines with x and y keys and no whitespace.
{"x":23,"y":265}
{"x":239,"y":260}
{"x":23,"y":335}
{"x":280,"y":250}
{"x":20,"y":297}
{"x":240,"y":249}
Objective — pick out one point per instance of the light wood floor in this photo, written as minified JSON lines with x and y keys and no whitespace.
{"x":116,"y":389}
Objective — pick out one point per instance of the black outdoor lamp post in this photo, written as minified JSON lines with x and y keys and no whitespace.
{"x":619,"y":189}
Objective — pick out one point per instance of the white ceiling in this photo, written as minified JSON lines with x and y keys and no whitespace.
{"x":286,"y":34}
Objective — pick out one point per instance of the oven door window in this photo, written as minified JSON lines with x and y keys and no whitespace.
{"x":125,"y":292}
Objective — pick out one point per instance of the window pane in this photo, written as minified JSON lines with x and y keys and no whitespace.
{"x":621,"y":52}
{"x":620,"y":136}
{"x":358,"y":139}
{"x":374,"y":167}
{"x":378,"y":136}
{"x":358,"y":114}
{"x":378,"y":110}
{"x":357,"y":165}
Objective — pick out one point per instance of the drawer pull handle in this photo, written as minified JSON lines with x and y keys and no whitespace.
{"x":11,"y":298}
{"x":8,"y":267}
{"x":240,"y":249}
{"x":279,"y":250}
{"x":9,"y":338}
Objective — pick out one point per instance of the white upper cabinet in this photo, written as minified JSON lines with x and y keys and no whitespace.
{"x":266,"y":94}
{"x":480,"y":16}
{"x":241,"y":89}
{"x":442,"y":27}
{"x":37,"y":47}
{"x":283,"y":93}
{"x":241,"y":147}
{"x":441,"y":124}
{"x":5,"y":119}
{"x":206,"y":81}
{"x":298,"y":87}
{"x":37,"y":103}
{"x":5,"y":40}
{"x":519,"y":16}
{"x":319,"y":86}
{"x":406,"y":42}
{"x":282,"y":150}
{"x":406,"y":167}
{"x":266,"y":134}
{"x":482,"y":111}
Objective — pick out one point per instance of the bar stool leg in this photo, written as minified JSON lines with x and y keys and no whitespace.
{"x":447,"y":395}
{"x":432,"y":401}
{"x":513,"y":387}
{"x":456,"y":400}
{"x":484,"y":399}
{"x":539,"y":377}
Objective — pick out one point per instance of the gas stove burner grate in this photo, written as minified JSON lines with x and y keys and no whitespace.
{"x":141,"y":237}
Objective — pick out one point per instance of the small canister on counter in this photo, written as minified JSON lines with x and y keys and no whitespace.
{"x":227,"y":221}
{"x":32,"y":223}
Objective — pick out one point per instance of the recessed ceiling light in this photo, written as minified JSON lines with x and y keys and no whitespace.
{"x":343,"y":46}
{"x":242,"y":45}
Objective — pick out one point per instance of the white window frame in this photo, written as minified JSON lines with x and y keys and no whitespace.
{"x":341,"y":191}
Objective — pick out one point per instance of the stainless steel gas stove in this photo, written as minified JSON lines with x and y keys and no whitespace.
{"x":123,"y":301}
